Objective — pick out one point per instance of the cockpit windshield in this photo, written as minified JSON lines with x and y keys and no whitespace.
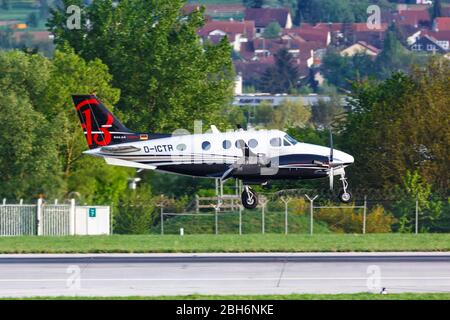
{"x":290,"y":139}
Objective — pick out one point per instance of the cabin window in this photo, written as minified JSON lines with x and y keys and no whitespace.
{"x":252,"y":143}
{"x":181,"y":147}
{"x":275,"y":142}
{"x":240,"y":144}
{"x":226,"y":144}
{"x":206,"y":145}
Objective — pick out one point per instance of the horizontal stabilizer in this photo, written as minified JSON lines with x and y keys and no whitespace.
{"x":131,"y":164}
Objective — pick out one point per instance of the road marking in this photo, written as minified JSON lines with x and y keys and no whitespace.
{"x":228,"y":279}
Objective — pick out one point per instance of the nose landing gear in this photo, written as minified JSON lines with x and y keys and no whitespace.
{"x":249,"y":198}
{"x":344,"y":195}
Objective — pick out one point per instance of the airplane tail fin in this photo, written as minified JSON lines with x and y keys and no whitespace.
{"x":100,"y":126}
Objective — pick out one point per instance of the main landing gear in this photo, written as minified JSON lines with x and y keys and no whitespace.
{"x":344,"y":195}
{"x":249,"y":198}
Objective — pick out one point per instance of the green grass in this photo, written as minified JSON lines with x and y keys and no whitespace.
{"x":228,"y":223}
{"x":226,"y":243}
{"x":353,"y":296}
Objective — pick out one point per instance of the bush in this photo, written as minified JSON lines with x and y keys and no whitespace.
{"x":349,"y":220}
{"x":136,"y":212}
{"x":299,"y":206}
{"x":379,"y":221}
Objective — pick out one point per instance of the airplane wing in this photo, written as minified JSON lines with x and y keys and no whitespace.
{"x":131,"y":164}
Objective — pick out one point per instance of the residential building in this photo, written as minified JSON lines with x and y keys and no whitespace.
{"x":426,"y":43}
{"x":238,"y":32}
{"x":360,"y":47}
{"x":265,"y":16}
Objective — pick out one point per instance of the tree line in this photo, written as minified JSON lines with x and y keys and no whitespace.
{"x":163,"y":78}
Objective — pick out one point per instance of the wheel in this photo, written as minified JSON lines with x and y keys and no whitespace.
{"x":249,"y":201}
{"x":345,"y":197}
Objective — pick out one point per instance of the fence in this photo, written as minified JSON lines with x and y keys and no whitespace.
{"x":18,"y":220}
{"x":53,"y":219}
{"x":283,"y":218}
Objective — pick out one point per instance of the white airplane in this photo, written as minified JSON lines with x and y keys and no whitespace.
{"x":254,"y":156}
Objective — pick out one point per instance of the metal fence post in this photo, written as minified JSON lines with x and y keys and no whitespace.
{"x":240,"y":220}
{"x":263,"y":202}
{"x":417,"y":216}
{"x":216,"y":220}
{"x":39,"y":217}
{"x":216,"y":216}
{"x":72,"y":217}
{"x":365,"y":214}
{"x":162,"y":220}
{"x":311,"y":218}
{"x":286,"y":202}
{"x":197,"y":204}
{"x":111,"y":219}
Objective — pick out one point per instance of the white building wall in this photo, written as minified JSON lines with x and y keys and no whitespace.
{"x":86,"y":225}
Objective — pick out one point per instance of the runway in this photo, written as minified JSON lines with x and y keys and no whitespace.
{"x":259,"y":273}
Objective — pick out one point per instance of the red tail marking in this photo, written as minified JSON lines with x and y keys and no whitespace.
{"x":85,"y":102}
{"x":106,"y":135}
{"x":87,"y":125}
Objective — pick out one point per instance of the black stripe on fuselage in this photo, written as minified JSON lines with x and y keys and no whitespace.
{"x":300,"y":166}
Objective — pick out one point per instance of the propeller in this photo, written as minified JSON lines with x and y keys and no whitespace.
{"x":330,"y":162}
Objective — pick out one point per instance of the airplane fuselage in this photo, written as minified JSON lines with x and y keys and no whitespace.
{"x":210,"y":154}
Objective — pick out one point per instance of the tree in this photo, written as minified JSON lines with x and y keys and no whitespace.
{"x":290,"y":114}
{"x":253,"y":3}
{"x":43,"y":153}
{"x":394,"y":57}
{"x":135,"y":212}
{"x":272,"y":31}
{"x":324,"y":112}
{"x":283,"y":76}
{"x":437,"y":9}
{"x":314,"y":11}
{"x":6,"y":4}
{"x":346,"y":11}
{"x":6,"y":40}
{"x":309,"y":135}
{"x":392,"y":128}
{"x":343,"y":71}
{"x":412,"y":189}
{"x":44,"y":9}
{"x":33,"y":20}
{"x":168,"y":78}
{"x":29,"y":157}
{"x":264,"y":113}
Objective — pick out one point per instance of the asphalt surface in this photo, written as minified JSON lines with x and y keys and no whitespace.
{"x":181,"y":274}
